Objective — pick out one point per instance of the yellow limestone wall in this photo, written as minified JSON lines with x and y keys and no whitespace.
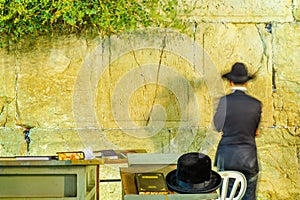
{"x":157,"y":89}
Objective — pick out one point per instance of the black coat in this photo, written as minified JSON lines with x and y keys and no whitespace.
{"x":237,"y":117}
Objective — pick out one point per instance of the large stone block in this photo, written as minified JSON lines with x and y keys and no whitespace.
{"x":8,"y":86}
{"x":50,"y":141}
{"x":136,"y":83}
{"x":279,"y":164}
{"x":242,"y":11}
{"x":12,"y":142}
{"x":46,"y":74}
{"x":286,"y":75}
{"x":226,"y":44}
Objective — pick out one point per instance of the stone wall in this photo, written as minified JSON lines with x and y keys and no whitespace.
{"x":157,"y":89}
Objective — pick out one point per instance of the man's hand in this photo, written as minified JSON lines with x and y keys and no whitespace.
{"x":257,"y":133}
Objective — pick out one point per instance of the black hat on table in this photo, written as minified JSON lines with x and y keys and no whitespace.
{"x":193,"y":175}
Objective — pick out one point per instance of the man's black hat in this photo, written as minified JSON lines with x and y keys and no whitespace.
{"x":238,"y":74}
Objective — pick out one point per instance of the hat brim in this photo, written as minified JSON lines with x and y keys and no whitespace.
{"x":214,"y":184}
{"x":240,"y":79}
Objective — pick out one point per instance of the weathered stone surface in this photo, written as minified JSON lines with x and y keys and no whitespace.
{"x":46,"y":74}
{"x":243,"y":11}
{"x":279,"y":164}
{"x":112,"y":190}
{"x":49,"y":141}
{"x":296,"y":10}
{"x":110,"y":176}
{"x":12,"y":142}
{"x":7,"y":89}
{"x":287,"y":75}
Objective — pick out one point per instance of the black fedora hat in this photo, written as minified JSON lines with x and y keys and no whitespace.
{"x":193,"y":175}
{"x":238,"y":73}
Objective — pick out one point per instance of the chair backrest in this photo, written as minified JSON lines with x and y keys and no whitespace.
{"x":239,"y":186}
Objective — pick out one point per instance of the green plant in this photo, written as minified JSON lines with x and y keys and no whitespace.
{"x":39,"y":17}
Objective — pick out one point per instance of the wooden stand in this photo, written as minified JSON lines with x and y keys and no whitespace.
{"x":49,"y":180}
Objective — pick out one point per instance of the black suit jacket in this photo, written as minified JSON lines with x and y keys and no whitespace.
{"x":237,"y":117}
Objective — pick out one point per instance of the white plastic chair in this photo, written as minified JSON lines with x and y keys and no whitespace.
{"x":239,"y":179}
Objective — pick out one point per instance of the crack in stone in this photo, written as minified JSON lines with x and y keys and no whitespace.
{"x":137,"y":62}
{"x":157,"y":78}
{"x":274,"y":87}
{"x":27,"y":138}
{"x":298,"y":156}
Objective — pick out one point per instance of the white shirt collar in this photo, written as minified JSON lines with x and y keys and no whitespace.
{"x":238,"y":88}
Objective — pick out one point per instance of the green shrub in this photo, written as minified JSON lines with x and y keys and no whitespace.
{"x":39,"y":17}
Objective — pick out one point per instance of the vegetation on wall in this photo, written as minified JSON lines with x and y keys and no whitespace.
{"x":20,"y":18}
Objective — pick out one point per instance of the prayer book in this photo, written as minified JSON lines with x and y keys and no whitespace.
{"x":151,"y":183}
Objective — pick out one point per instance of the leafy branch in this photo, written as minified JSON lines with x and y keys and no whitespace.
{"x":19,"y":18}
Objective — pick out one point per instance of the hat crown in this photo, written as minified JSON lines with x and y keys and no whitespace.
{"x":239,"y":69}
{"x":193,"y":175}
{"x":193,"y":168}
